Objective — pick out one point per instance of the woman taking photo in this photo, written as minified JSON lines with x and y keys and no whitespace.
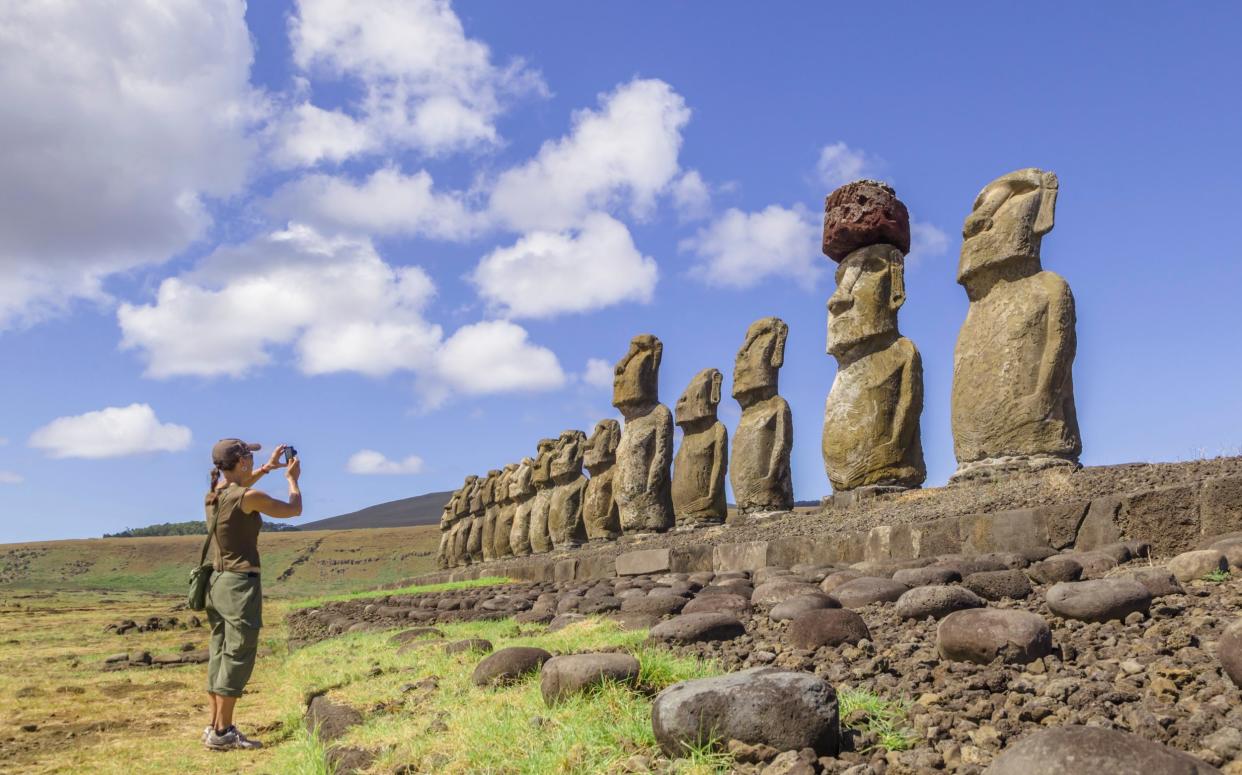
{"x":235,"y":595}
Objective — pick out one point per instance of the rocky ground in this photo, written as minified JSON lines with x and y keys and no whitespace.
{"x":1110,"y":647}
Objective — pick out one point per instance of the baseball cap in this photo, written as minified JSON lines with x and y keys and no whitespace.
{"x":226,"y":448}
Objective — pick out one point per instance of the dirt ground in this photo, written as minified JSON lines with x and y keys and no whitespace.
{"x":63,"y":713}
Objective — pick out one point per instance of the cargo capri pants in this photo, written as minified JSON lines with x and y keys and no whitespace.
{"x":235,"y":612}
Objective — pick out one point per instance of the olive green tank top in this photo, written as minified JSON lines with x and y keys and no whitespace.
{"x":237,"y":532}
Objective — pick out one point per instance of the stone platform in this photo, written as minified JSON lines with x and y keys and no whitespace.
{"x":1174,"y":506}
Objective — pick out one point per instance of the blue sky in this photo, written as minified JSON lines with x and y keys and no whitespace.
{"x":409,"y":228}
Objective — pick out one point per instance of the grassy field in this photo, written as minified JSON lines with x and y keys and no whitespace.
{"x":295,"y":564}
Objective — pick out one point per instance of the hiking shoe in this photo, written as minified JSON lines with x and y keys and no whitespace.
{"x":231,"y":738}
{"x":206,"y":732}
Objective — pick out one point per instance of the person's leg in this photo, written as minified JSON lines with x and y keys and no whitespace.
{"x":224,"y":715}
{"x":215,"y":652}
{"x":238,"y":600}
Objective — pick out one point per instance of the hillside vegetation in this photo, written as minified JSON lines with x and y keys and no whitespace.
{"x":192,"y":528}
{"x":295,"y":564}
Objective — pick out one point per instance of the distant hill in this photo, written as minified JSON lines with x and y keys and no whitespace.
{"x":419,"y":510}
{"x":196,"y":527}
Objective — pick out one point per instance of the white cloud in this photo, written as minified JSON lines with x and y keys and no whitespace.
{"x":739,"y":250}
{"x":926,"y":241}
{"x":334,"y":299}
{"x":546,"y":273}
{"x":368,"y":461}
{"x":116,"y":431}
{"x":387,"y":202}
{"x":493,"y":356}
{"x":11,"y":477}
{"x":120,"y":120}
{"x":625,"y":151}
{"x":839,"y":164}
{"x":691,"y":197}
{"x":598,"y":373}
{"x":425,"y":85}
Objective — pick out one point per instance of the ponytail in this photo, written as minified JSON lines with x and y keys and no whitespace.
{"x":212,"y":494}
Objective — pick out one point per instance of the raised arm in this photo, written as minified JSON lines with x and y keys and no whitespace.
{"x":257,"y":500}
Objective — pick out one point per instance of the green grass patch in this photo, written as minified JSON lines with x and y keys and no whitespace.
{"x":885,"y":718}
{"x":446,"y":586}
{"x":1217,"y":576}
{"x":460,"y":728}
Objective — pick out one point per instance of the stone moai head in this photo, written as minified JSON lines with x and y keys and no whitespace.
{"x":871,"y":287}
{"x":462,"y":505}
{"x":519,"y":484}
{"x":567,"y":457}
{"x":489,"y":487}
{"x":504,"y":485}
{"x":865,"y":212}
{"x":476,"y":496}
{"x":636,"y":380}
{"x":541,"y":474}
{"x":760,"y":358}
{"x":601,"y":448}
{"x":1008,"y":221}
{"x":700,"y":399}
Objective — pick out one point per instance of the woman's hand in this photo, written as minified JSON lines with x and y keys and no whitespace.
{"x":295,"y":470}
{"x":275,"y":461}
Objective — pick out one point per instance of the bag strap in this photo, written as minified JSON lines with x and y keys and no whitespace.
{"x":211,"y":530}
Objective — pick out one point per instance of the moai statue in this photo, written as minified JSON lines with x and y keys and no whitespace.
{"x":446,"y":522}
{"x":461,"y":523}
{"x":599,"y":508}
{"x":504,"y":518}
{"x":759,"y":467}
{"x":699,"y":468}
{"x":541,"y":478}
{"x":491,"y":511}
{"x":474,"y":542}
{"x":522,"y":491}
{"x":568,"y":490}
{"x":642,"y":484}
{"x":1013,"y":384}
{"x":871,"y":419}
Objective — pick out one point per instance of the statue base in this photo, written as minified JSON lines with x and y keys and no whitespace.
{"x":993,"y":468}
{"x":850,"y":498}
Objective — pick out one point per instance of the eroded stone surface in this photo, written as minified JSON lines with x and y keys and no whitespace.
{"x":522,"y":491}
{"x":1098,"y":600}
{"x":983,"y":634}
{"x":827,"y":627}
{"x":1194,"y":565}
{"x":599,"y":508}
{"x":565,"y":518}
{"x":864,"y":212}
{"x":642,"y":484}
{"x":541,"y":502}
{"x":760,"y":706}
{"x":508,"y":665}
{"x":1229,"y":652}
{"x":571,"y":674}
{"x":936,"y":602}
{"x":693,"y":628}
{"x":1081,"y":749}
{"x":867,"y":590}
{"x":701,"y":461}
{"x":759,"y":464}
{"x":1013,"y":389}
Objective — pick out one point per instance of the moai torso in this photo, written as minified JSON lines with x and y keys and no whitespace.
{"x":491,"y":511}
{"x":504,"y":518}
{"x":565,"y":524}
{"x":522,"y":491}
{"x":759,"y":466}
{"x":474,"y":540}
{"x":461,"y":523}
{"x":871,"y":418}
{"x":599,"y":509}
{"x":1013,"y":389}
{"x":541,"y":478}
{"x":642,"y":483}
{"x":701,"y":460}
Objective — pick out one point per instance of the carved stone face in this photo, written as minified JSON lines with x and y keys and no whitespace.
{"x":489,"y":486}
{"x":519,"y":483}
{"x":636,"y":380}
{"x":1009,"y":219}
{"x":541,"y":475}
{"x":504,"y":485}
{"x":601,"y":448}
{"x":567,"y":457}
{"x":701,"y":397}
{"x":870,"y":290}
{"x":761,"y":356}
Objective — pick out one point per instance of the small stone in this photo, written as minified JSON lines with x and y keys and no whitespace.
{"x":1192,"y":566}
{"x":1054,"y":569}
{"x":780,"y":590}
{"x":794,"y":606}
{"x":660,"y":604}
{"x":868,"y":589}
{"x":751,"y":754}
{"x":983,"y":634}
{"x":30,"y":727}
{"x":1083,"y":749}
{"x":468,"y":645}
{"x":926,"y":576}
{"x":508,"y":665}
{"x":998,"y":584}
{"x":827,"y":627}
{"x":1229,"y":652}
{"x":763,"y":705}
{"x":1159,"y":581}
{"x":1099,"y":600}
{"x":693,"y":628}
{"x":734,"y":605}
{"x":329,"y":720}
{"x":936,"y":602}
{"x":563,"y":676}
{"x":789,"y":763}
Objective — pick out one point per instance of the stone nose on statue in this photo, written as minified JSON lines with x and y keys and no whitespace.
{"x":840,"y":301}
{"x":976,"y":224}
